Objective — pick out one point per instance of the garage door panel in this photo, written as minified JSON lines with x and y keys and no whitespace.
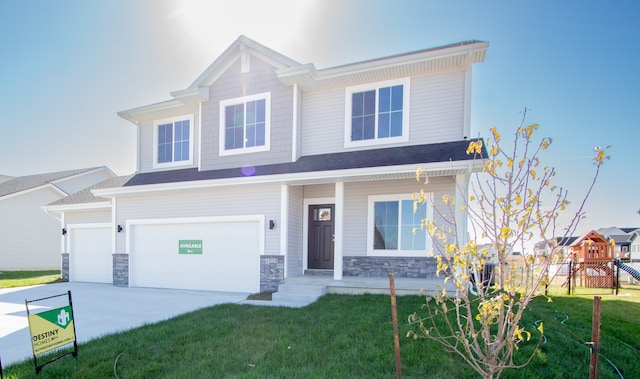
{"x":229,"y":259}
{"x":90,"y":256}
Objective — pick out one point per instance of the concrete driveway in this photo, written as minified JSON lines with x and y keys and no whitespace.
{"x":98,"y":309}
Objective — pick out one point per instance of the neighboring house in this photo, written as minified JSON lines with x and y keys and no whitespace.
{"x":621,"y":238}
{"x":634,"y":247}
{"x":87,"y":246}
{"x":561,"y":245}
{"x":265,"y":169}
{"x":30,"y":239}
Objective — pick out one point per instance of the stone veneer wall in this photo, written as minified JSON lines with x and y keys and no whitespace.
{"x":271,"y":272}
{"x":121,"y":270}
{"x":65,"y":267}
{"x":401,"y":267}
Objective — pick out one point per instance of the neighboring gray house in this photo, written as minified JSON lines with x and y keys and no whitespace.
{"x":634,"y":248}
{"x":29,"y":238}
{"x":264,"y":169}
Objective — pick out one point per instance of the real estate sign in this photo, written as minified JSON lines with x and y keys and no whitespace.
{"x":51,"y":329}
{"x":190,"y":247}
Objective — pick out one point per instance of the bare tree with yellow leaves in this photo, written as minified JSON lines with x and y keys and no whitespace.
{"x":512,"y":202}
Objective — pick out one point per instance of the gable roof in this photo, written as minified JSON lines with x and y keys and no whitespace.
{"x":85,"y":196}
{"x":241,"y":46}
{"x":386,"y":157}
{"x":590,"y":235}
{"x":24,"y":183}
{"x":437,"y":58}
{"x":307,"y":77}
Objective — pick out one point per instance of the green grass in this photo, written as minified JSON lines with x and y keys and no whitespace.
{"x":10,"y":279}
{"x":341,"y":337}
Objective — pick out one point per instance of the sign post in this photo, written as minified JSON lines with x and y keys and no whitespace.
{"x":52,"y":329}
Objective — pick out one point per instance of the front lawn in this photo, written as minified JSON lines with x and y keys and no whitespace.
{"x":341,"y":337}
{"x":10,"y":279}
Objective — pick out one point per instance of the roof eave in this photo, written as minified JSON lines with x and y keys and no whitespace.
{"x":458,"y":55}
{"x":438,"y":169}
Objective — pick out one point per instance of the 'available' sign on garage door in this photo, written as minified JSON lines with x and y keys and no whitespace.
{"x":190,"y":247}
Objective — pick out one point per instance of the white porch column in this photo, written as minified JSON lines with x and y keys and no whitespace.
{"x":462,"y":196}
{"x":284,"y":224}
{"x":339,"y":229}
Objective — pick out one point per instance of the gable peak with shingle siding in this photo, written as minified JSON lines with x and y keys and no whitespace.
{"x":28,"y":182}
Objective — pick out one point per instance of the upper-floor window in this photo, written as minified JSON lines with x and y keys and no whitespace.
{"x":394,"y":227}
{"x":173,"y":141}
{"x":377,"y":113}
{"x":245,"y":124}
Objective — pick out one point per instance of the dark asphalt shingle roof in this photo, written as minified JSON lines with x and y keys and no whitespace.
{"x":394,"y":156}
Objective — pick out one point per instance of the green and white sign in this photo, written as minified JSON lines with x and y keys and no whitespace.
{"x":51,"y":329}
{"x":190,"y":247}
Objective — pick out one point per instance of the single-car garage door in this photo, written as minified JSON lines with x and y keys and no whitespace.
{"x":90,"y":253}
{"x":198,"y":255}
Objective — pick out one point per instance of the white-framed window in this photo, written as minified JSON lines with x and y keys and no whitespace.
{"x":377,"y":113}
{"x":245,"y":124}
{"x":173,"y":141}
{"x":393,"y":228}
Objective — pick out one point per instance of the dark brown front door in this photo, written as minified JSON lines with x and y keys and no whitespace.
{"x":320,"y":247}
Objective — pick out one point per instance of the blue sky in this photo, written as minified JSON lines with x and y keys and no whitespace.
{"x":68,"y":66}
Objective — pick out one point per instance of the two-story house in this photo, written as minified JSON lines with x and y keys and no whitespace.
{"x":265,"y":169}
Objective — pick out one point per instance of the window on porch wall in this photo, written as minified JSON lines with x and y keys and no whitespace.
{"x":395,"y":228}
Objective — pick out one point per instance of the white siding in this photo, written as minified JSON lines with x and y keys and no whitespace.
{"x":232,"y":84}
{"x":436,"y":114}
{"x":437,"y":108}
{"x":88,"y":216}
{"x":356,"y":205}
{"x":323,"y":121}
{"x":147,"y":143}
{"x":248,"y":200}
{"x":29,"y":238}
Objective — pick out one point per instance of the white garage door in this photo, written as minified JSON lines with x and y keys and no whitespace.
{"x":228,"y":259}
{"x":90,"y":254}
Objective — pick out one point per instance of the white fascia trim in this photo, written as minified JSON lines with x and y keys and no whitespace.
{"x":336,"y":175}
{"x":385,"y":62}
{"x":76,"y":207}
{"x":198,"y":220}
{"x":138,"y":114}
{"x":24,"y":192}
{"x":197,"y":94}
{"x":97,"y":169}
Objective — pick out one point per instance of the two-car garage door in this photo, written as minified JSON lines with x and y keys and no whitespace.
{"x":225,"y":254}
